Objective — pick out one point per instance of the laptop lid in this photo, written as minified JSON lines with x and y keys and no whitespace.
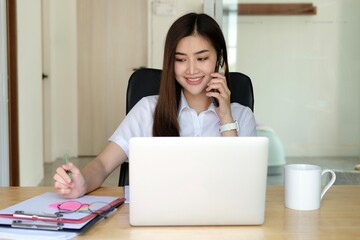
{"x":197,"y":180}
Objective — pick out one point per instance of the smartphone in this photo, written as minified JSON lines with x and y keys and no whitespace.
{"x":220,"y":68}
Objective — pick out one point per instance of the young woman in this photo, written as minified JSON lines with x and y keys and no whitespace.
{"x":184,"y":106}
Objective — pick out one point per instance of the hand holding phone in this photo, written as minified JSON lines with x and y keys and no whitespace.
{"x":220,"y":68}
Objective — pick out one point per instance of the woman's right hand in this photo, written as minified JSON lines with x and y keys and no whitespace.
{"x":67,"y":187}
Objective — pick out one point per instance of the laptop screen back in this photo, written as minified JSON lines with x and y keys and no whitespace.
{"x":197,"y":180}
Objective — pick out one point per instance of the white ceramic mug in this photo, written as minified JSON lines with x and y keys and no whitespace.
{"x":302,"y":186}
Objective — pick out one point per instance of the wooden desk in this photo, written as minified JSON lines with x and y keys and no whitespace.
{"x":338,"y":218}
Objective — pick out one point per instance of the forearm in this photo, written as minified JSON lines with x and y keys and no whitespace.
{"x":232,"y":133}
{"x":94,"y":175}
{"x":96,"y":171}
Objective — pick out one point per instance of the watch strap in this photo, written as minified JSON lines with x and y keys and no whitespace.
{"x":229,"y":126}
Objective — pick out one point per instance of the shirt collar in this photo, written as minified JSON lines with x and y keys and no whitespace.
{"x":184,"y":105}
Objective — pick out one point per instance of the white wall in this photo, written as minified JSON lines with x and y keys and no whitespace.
{"x":348,"y":79}
{"x":306,"y":72}
{"x":30,"y":92}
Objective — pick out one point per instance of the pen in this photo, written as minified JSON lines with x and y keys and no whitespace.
{"x":66,"y":158}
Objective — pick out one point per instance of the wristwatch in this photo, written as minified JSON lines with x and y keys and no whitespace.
{"x":229,"y":127}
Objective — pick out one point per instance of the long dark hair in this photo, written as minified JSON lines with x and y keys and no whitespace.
{"x":166,"y":112}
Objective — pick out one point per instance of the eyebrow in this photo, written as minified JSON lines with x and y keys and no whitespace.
{"x":198,"y":52}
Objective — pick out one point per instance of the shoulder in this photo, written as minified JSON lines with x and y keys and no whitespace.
{"x":151,"y":99}
{"x":245,"y":118}
{"x":148,"y":102}
{"x":238,"y":109}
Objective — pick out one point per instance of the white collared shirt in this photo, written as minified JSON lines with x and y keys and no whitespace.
{"x":139,"y":121}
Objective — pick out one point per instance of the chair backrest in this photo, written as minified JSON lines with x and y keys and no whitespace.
{"x":146,"y":82}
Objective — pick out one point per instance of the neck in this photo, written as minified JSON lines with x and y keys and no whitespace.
{"x":199,"y":103}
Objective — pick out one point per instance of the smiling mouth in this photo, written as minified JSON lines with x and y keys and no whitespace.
{"x":194,"y":80}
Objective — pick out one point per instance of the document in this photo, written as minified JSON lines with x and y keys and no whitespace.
{"x":43,"y":212}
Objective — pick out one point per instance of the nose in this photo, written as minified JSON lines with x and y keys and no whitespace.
{"x":191,"y":68}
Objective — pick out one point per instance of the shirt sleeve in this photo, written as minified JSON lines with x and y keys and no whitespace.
{"x":137,"y":123}
{"x":246,"y":120}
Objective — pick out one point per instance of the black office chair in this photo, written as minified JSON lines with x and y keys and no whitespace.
{"x":146,"y":82}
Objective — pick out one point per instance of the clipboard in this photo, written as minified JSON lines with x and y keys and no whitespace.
{"x":41,"y":212}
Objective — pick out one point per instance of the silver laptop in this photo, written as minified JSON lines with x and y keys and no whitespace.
{"x":184,"y":181}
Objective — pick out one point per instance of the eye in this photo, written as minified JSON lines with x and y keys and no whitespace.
{"x":180,"y":59}
{"x":201,"y":59}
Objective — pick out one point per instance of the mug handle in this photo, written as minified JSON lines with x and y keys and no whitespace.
{"x":330,"y":183}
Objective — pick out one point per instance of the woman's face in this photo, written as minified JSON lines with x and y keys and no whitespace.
{"x":195,"y":59}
